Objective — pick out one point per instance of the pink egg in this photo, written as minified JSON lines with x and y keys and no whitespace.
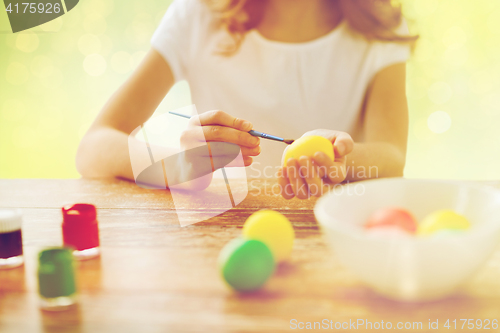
{"x":392,"y":217}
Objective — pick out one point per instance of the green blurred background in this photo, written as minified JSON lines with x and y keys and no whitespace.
{"x":54,"y":79}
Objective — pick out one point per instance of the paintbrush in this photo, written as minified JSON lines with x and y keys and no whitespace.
{"x":252,"y":132}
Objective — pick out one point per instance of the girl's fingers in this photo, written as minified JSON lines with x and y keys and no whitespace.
{"x":192,"y":138}
{"x":334,"y":172}
{"x":338,"y":172}
{"x":221,"y":127}
{"x":299,"y":186}
{"x":247,"y":160}
{"x":324,"y":164}
{"x":322,"y":170}
{"x":310,"y":173}
{"x":238,"y":162}
{"x":250,"y":151}
{"x":286,"y":188}
{"x":231,"y":135}
{"x":342,"y":144}
{"x":221,"y":118}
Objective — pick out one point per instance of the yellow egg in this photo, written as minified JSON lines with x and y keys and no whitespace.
{"x":442,"y":220}
{"x":273,"y":229}
{"x":308,"y":146}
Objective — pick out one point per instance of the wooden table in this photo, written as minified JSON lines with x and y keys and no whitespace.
{"x":155,"y":276}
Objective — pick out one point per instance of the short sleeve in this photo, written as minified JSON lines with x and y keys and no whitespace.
{"x":177,"y":34}
{"x":392,"y":53}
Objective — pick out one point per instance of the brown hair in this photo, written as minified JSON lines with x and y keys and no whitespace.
{"x":373,"y":19}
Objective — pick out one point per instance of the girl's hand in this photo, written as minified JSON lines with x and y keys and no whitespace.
{"x":221,"y":127}
{"x":197,"y":162}
{"x":307,"y":176}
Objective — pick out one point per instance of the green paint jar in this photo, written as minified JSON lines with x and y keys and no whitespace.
{"x":56,"y":278}
{"x":245,"y":264}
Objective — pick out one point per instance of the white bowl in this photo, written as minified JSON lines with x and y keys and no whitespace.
{"x":411,"y":268}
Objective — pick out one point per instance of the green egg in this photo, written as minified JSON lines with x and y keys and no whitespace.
{"x":246,"y":264}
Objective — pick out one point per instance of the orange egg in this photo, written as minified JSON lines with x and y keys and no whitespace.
{"x":396,"y":217}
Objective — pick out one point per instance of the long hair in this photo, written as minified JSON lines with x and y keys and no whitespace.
{"x":373,"y":19}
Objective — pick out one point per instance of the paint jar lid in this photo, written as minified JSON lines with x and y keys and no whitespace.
{"x":10,"y":220}
{"x":79,"y":213}
{"x":56,"y":274}
{"x":79,"y":227}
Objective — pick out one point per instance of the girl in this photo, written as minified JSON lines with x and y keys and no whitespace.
{"x":334,"y":68}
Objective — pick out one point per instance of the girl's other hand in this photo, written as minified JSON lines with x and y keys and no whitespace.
{"x":221,"y":127}
{"x":308,"y":176}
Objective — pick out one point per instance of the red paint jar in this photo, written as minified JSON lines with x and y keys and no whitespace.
{"x":80,"y":230}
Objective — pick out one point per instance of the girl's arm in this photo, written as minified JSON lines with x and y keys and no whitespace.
{"x":385,"y":127}
{"x":104,"y":150}
{"x":381,"y":154}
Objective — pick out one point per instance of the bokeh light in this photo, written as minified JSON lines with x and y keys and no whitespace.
{"x":52,"y":81}
{"x":41,"y":66}
{"x":16,"y":74}
{"x":94,"y":24}
{"x":120,"y":62}
{"x":94,"y":64}
{"x":88,"y":44}
{"x":27,"y":41}
{"x":13,"y":110}
{"x":440,"y":93}
{"x":439,"y":122}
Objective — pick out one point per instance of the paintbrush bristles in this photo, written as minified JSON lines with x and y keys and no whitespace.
{"x":288,"y":141}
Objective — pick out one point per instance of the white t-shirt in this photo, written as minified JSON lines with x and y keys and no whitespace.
{"x":284,"y":89}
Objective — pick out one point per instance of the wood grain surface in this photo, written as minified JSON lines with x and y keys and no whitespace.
{"x":156,"y":276}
